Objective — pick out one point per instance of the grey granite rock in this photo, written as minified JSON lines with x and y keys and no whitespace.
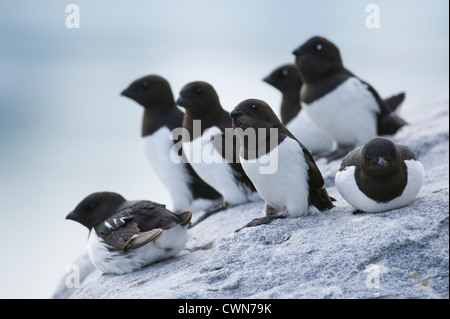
{"x":402,"y":253}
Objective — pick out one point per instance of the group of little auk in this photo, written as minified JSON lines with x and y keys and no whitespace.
{"x":326,"y":111}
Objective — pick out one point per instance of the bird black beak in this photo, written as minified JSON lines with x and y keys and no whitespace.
{"x":236,"y":113}
{"x":126,"y":92}
{"x":72,"y":215}
{"x":298,"y":52}
{"x":268,"y":79}
{"x":382,"y":162}
{"x":182,"y":100}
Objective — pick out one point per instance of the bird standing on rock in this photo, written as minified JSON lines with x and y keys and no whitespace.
{"x":281,"y":168}
{"x":346,"y":108}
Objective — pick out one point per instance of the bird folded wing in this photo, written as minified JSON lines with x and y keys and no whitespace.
{"x":115,"y":222}
{"x":184,"y":217}
{"x":118,"y":239}
{"x":144,"y":238}
{"x":394,"y":101}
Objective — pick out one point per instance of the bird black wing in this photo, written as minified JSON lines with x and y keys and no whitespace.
{"x":407,"y":153}
{"x":318,"y":195}
{"x":114,"y":222}
{"x":394,"y":101}
{"x":351,"y":159}
{"x":150,"y":215}
{"x":388,"y":122}
{"x":199,"y":188}
{"x":138,"y":223}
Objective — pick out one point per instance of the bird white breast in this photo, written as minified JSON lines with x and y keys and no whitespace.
{"x":168,"y":244}
{"x":347,"y":114}
{"x":209,"y":164}
{"x":307,"y":132}
{"x":347,"y":187}
{"x":286,"y":187}
{"x":174,"y":176}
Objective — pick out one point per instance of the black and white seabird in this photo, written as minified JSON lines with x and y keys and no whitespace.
{"x":286,"y":79}
{"x":379,"y":176}
{"x":211,"y":146}
{"x":346,"y":108}
{"x":161,"y":116}
{"x":125,"y":236}
{"x":281,"y":168}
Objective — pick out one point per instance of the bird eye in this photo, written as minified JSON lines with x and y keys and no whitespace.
{"x":198,"y":90}
{"x":90,"y":206}
{"x":254,"y":107}
{"x":319,"y":47}
{"x":145,"y":84}
{"x":368,"y":156}
{"x":284,"y":72}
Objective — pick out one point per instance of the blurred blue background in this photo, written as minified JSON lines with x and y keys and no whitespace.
{"x":65,"y":132}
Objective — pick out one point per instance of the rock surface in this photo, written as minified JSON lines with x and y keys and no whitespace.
{"x":402,"y":253}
